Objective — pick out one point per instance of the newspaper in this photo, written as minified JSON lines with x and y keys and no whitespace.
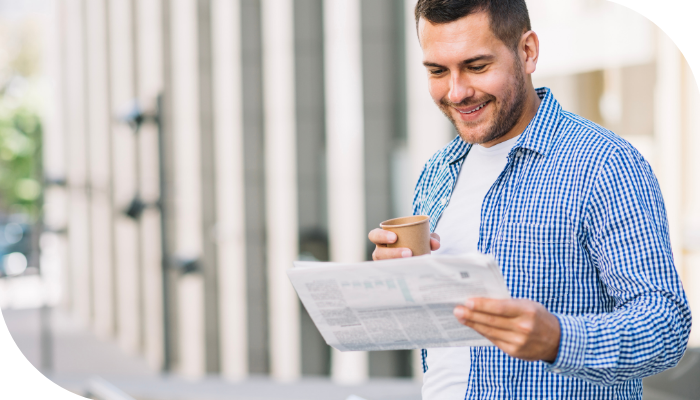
{"x":396,"y":304}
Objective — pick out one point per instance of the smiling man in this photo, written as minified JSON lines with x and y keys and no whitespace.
{"x":572,"y":213}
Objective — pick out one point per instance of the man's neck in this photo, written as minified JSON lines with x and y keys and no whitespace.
{"x":532,"y":104}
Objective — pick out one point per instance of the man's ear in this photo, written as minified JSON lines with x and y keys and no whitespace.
{"x":529,"y":51}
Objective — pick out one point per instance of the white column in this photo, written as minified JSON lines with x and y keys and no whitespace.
{"x":187,"y":185}
{"x":228,"y":137}
{"x":53,"y":246}
{"x":126,"y":233}
{"x":190,"y":326}
{"x":668,"y":134}
{"x":345,"y":154}
{"x":691,"y":211}
{"x":281,"y":186}
{"x":76,"y":161}
{"x":428,"y":129}
{"x":149,"y":70}
{"x":100,"y":169}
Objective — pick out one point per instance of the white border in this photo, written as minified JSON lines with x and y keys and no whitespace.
{"x":20,"y":380}
{"x":677,"y":18}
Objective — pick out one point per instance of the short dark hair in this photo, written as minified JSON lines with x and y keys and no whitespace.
{"x":508,"y":19}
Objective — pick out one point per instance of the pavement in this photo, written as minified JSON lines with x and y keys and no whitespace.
{"x":76,"y":356}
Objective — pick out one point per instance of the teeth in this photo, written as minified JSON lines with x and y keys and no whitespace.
{"x":474,"y":110}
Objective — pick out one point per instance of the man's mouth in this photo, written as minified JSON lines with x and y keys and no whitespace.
{"x":475,"y":109}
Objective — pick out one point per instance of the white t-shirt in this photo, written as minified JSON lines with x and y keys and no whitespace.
{"x":458,"y":227}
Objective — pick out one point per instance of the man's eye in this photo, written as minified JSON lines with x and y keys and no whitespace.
{"x":436,"y":71}
{"x":477,"y":68}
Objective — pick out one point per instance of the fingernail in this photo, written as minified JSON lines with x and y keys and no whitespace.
{"x":392,"y":236}
{"x":406,"y":253}
{"x":469,"y":304}
{"x":458,"y":312}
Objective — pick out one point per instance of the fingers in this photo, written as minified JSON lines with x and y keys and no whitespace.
{"x":525,"y":347}
{"x":434,"y":241}
{"x":494,"y":334}
{"x":520,"y":327}
{"x":386,"y":253}
{"x":467,"y":317}
{"x":500,"y":307}
{"x":380,"y":236}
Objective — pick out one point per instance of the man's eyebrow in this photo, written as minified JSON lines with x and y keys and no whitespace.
{"x":483,"y":57}
{"x":430,"y":64}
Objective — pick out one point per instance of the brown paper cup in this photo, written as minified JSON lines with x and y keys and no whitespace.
{"x":412,"y":232}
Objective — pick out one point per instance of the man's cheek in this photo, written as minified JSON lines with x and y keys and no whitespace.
{"x":438,"y":89}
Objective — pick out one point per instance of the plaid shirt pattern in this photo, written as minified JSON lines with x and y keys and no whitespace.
{"x":577,"y":223}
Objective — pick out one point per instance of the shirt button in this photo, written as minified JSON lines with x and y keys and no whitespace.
{"x":556,"y":370}
{"x":443,"y":201}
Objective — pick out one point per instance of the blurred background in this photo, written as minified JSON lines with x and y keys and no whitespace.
{"x":163,"y":162}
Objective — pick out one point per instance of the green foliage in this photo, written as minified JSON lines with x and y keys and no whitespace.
{"x":20,"y":161}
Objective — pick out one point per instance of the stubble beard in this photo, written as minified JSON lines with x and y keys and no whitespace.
{"x":508,"y":112}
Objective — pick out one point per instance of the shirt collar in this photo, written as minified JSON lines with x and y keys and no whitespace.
{"x":540,"y":131}
{"x":536,"y":137}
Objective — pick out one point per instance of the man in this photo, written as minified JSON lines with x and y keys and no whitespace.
{"x":572,"y":213}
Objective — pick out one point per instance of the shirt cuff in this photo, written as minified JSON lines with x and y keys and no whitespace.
{"x":572,"y":345}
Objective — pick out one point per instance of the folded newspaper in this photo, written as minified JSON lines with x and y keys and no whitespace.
{"x":396,"y":304}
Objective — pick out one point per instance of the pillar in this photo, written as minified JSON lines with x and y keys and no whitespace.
{"x":691,"y":198}
{"x":53,"y":240}
{"x":668,"y":135}
{"x":428,"y":129}
{"x":148,"y":44}
{"x":76,"y":162}
{"x":281,"y":186}
{"x":230,"y":231}
{"x":99,"y":154}
{"x":127,"y":239}
{"x":187,"y":216}
{"x":345,"y":155}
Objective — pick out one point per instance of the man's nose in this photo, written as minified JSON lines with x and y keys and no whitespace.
{"x":460,"y":89}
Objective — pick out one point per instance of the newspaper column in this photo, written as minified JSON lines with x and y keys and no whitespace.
{"x":344,"y":151}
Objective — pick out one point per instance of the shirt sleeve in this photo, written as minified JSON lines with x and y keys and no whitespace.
{"x":626,"y":233}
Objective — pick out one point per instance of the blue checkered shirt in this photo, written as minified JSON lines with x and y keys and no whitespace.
{"x":577,"y":223}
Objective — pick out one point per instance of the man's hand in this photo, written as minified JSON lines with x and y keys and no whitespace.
{"x":381,"y":238}
{"x":522,"y":328}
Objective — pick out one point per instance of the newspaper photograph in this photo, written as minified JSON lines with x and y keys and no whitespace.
{"x":396,"y":304}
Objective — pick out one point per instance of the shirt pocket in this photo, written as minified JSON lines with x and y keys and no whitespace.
{"x":535,"y":259}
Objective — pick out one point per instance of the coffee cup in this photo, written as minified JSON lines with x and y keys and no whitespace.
{"x":412,"y":232}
